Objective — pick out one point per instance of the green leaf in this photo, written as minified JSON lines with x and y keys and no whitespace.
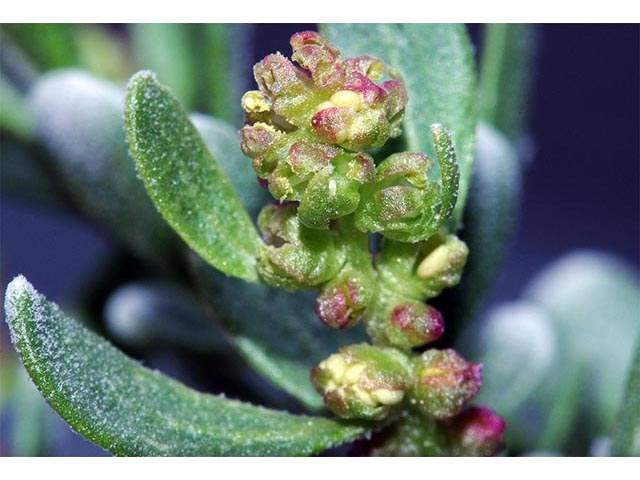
{"x":225,"y":76}
{"x":129,"y":410}
{"x":437,"y":64}
{"x":30,"y":426}
{"x":626,"y":430}
{"x":166,"y":48}
{"x":508,"y":52}
{"x":277,"y":332}
{"x":489,"y":221}
{"x":15,"y":64}
{"x":79,"y":118}
{"x":160,"y":313}
{"x":594,"y":300}
{"x":103,"y":52}
{"x":185,"y":182}
{"x":223,"y":141}
{"x":517,"y":345}
{"x":50,"y":45}
{"x":14,"y":114}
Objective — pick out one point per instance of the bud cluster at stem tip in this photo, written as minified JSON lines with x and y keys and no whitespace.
{"x":308,"y":125}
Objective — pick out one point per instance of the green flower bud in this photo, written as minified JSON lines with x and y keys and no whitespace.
{"x":442,"y":265}
{"x":362,"y":381}
{"x":413,"y":324}
{"x":335,"y":190}
{"x":412,"y":435}
{"x":403,"y":203}
{"x":422,"y":270}
{"x":444,"y":382}
{"x":295,"y":257}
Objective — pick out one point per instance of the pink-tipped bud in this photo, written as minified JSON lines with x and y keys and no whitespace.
{"x":444,"y":382}
{"x":477,"y":432}
{"x":413,"y":324}
{"x":315,"y":54}
{"x":332,"y":124}
{"x":256,"y":139}
{"x":342,"y":303}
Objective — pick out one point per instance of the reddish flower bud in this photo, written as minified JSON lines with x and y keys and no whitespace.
{"x":343,"y":302}
{"x":256,"y":139}
{"x":444,"y":383}
{"x":332,"y":124}
{"x":413,"y":324}
{"x":476,"y":432}
{"x":323,"y":61}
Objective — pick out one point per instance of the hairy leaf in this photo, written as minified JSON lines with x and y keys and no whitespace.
{"x":225,"y":76}
{"x":129,"y":410}
{"x":508,"y":52}
{"x":437,"y":64}
{"x":489,"y":220}
{"x":50,"y":45}
{"x":185,"y":182}
{"x":166,"y":48}
{"x":518,"y":346}
{"x":594,"y":300}
{"x":277,"y":332}
{"x":223,"y":141}
{"x":80,"y":120}
{"x":14,"y":114}
{"x":156,"y":313}
{"x":626,"y":431}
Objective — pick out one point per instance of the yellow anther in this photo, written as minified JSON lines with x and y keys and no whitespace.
{"x":348,"y":98}
{"x":265,"y":126}
{"x":254,"y":102}
{"x":434,"y":263}
{"x":386,"y":396}
{"x":336,"y":366}
{"x":353,"y":372}
{"x":375,"y":71}
{"x":363,"y":395}
{"x":324,"y":106}
{"x":431,"y":372}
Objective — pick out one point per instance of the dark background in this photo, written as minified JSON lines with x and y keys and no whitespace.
{"x":581,"y":187}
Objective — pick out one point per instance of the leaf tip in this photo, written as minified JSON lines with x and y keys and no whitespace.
{"x":18,"y":290}
{"x":143,"y":76}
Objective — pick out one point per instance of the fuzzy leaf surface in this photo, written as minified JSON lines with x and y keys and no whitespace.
{"x":185,"y":182}
{"x":78,"y":117}
{"x":127,"y":409}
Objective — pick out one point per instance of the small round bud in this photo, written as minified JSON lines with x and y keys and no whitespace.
{"x":343,"y":302}
{"x":334,"y":191}
{"x":476,"y":432}
{"x":444,"y":383}
{"x":294,"y":256}
{"x":413,"y":324}
{"x":362,"y":381}
{"x":402,"y":200}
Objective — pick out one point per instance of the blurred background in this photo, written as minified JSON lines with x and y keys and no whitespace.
{"x":581,"y":155}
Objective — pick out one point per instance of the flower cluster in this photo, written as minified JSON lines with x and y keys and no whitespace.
{"x":312,"y":131}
